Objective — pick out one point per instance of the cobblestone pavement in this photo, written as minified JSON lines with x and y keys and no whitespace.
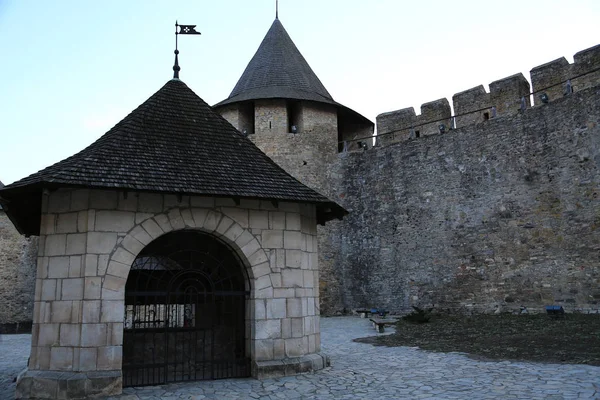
{"x":363,"y":371}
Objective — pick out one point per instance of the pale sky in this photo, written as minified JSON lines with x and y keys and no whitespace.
{"x":72,"y":69}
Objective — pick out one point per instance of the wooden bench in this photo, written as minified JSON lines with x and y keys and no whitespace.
{"x":380,"y":323}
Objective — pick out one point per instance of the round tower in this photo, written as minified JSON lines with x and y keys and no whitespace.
{"x":281,"y":104}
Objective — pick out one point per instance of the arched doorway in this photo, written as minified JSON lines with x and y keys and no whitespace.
{"x":185,"y":312}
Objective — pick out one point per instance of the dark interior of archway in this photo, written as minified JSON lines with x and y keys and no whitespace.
{"x":184,"y":312}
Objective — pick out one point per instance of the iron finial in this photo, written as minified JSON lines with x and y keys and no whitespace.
{"x":276,"y":9}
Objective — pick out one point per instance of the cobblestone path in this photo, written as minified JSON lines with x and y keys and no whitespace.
{"x":363,"y":371}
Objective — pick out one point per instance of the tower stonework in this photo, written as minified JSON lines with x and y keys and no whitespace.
{"x":291,"y":117}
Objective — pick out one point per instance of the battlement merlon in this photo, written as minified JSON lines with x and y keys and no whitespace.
{"x":507,"y":96}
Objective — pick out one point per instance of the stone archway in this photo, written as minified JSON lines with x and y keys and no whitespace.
{"x":246,"y":247}
{"x":185,"y":312}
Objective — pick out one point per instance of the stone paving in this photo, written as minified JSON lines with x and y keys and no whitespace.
{"x":363,"y":371}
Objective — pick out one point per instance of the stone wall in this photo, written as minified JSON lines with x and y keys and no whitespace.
{"x":89,"y":240}
{"x":495,"y":215}
{"x":17,"y":278}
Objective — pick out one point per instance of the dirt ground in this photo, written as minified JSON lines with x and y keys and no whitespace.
{"x":574,"y":339}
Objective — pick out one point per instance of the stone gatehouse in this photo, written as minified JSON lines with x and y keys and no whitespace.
{"x":171,"y":249}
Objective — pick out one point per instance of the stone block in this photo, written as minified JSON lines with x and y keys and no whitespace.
{"x":87,"y":359}
{"x":128,"y":201}
{"x":276,"y":308}
{"x":213,"y":219}
{"x":278,"y":349}
{"x":114,"y":221}
{"x":42,"y":267}
{"x":69,"y":335}
{"x":176,"y":201}
{"x":294,"y":347}
{"x":292,"y":240}
{"x":150,"y":203}
{"x":61,"y":311}
{"x":275,"y":280}
{"x":163,"y":222}
{"x":75,"y":266}
{"x":66,"y":223}
{"x":153,"y":229}
{"x":263,"y":349}
{"x":293,"y":258}
{"x":292,"y":222}
{"x":259,"y":219}
{"x":283,"y":293}
{"x":76,"y":243}
{"x":72,"y":289}
{"x":277,"y":220}
{"x":59,"y":201}
{"x":109,"y":358}
{"x":224,"y":225}
{"x":92,"y":288}
{"x":91,"y":311}
{"x":103,"y":199}
{"x":260,"y":309}
{"x":48,"y":289}
{"x":262,"y":282}
{"x":112,"y":311}
{"x":258,"y":258}
{"x":251,"y":247}
{"x":55,"y":245}
{"x":116,"y":334}
{"x":292,"y":278}
{"x":141,"y":217}
{"x":114,"y":284}
{"x":261,"y":270}
{"x":80,"y":200}
{"x":264,"y":293}
{"x":294,"y":307}
{"x":91,"y":265}
{"x":118,"y":269}
{"x":102,"y":264}
{"x":48,"y":334}
{"x":58,"y":267}
{"x":175,"y":219}
{"x":224,"y":202}
{"x":101,"y":242}
{"x":202,"y":202}
{"x":268,"y":329}
{"x":93,"y":335}
{"x":48,"y":224}
{"x":239,"y":215}
{"x":91,"y":222}
{"x":297,"y":327}
{"x":82,"y":221}
{"x":132,"y":245}
{"x":250,"y":204}
{"x":61,"y":359}
{"x":272,"y":239}
{"x":123,"y":256}
{"x":188,"y":219}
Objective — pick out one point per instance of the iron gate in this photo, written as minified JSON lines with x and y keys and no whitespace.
{"x":184,"y":312}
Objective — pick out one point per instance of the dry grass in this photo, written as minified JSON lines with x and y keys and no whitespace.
{"x":574,"y":339}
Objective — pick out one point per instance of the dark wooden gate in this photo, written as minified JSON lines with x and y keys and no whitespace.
{"x":184,"y":312}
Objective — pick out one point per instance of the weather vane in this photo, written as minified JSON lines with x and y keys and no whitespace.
{"x":181,"y":30}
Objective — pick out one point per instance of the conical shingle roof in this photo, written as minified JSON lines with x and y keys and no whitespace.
{"x":278,"y":70}
{"x":172,"y":143}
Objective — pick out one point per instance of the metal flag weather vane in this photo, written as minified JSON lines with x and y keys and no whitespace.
{"x":181,"y":30}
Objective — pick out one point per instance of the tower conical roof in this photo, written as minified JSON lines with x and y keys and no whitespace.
{"x":172,"y":143}
{"x":278,"y":70}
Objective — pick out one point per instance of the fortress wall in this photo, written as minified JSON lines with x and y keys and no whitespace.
{"x":475,"y":105}
{"x":17,"y":278}
{"x":496,"y":215}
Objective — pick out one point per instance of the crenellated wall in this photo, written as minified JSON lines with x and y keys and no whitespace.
{"x":507,"y":96}
{"x":501,"y":211}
